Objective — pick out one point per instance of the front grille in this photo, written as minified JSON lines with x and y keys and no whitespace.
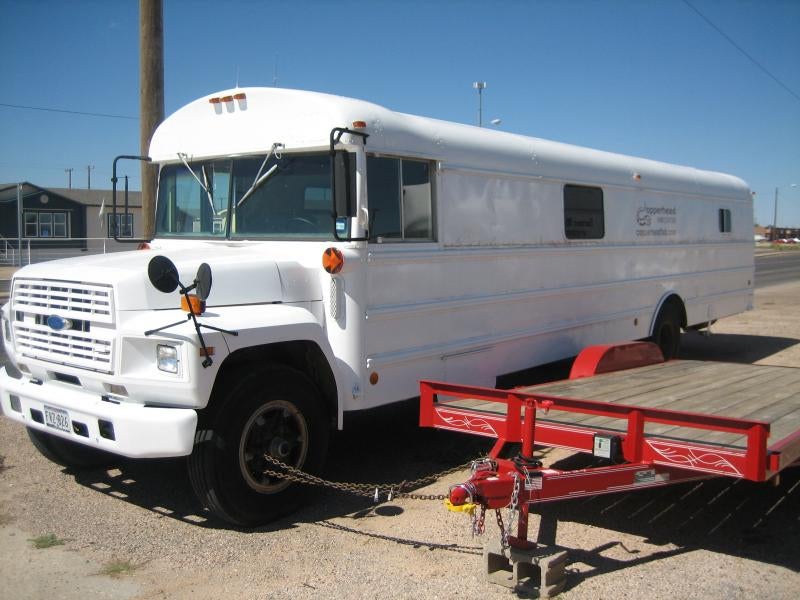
{"x":88,"y":344}
{"x":65,"y":298}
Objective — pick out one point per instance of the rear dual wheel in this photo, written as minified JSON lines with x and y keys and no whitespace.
{"x":667,"y":330}
{"x":275,"y":412}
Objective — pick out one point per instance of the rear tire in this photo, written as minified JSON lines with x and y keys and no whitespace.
{"x":667,"y":330}
{"x":276,"y":411}
{"x":69,"y":454}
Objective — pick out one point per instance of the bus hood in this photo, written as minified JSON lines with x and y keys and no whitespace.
{"x":238,"y":277}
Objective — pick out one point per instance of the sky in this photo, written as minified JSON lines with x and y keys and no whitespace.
{"x":649,"y":78}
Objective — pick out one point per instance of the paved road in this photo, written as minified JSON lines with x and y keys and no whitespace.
{"x":779,"y":267}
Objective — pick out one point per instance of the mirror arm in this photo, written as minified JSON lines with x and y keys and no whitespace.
{"x":114,"y":180}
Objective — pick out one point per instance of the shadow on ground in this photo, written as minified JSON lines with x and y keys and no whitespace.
{"x":385,"y":446}
{"x":732,"y":347}
{"x":757,"y":521}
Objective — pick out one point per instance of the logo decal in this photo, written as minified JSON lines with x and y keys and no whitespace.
{"x":57,"y":323}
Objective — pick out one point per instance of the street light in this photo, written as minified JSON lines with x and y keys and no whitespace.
{"x":775,"y":214}
{"x":480,"y":86}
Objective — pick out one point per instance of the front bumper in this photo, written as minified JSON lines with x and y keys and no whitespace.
{"x":138,"y":431}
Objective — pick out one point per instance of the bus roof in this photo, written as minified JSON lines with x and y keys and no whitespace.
{"x":246,"y":121}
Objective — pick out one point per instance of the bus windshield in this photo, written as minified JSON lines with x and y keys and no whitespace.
{"x":286,"y":197}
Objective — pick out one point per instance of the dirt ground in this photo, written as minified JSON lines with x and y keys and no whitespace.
{"x":714,"y":539}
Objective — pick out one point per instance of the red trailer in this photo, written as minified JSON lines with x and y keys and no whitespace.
{"x":656,"y":423}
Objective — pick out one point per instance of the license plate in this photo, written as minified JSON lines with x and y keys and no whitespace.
{"x":57,"y":419}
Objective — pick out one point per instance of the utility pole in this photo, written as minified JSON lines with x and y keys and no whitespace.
{"x":151,"y":98}
{"x":69,"y":177}
{"x":89,"y":169}
{"x":774,"y":235}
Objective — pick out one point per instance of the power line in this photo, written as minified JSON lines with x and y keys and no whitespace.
{"x":69,"y":112}
{"x":742,"y":50}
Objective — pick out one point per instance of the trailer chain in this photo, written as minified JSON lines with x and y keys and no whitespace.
{"x":479,"y":521}
{"x":513,"y":509}
{"x":367,"y":490}
{"x":503,"y":531}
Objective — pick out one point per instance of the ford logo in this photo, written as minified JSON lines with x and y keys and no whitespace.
{"x":58,"y":323}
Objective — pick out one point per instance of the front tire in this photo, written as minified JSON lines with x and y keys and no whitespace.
{"x":275,"y":411}
{"x":68,"y":454}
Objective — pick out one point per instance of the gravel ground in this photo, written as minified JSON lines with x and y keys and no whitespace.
{"x":714,"y":539}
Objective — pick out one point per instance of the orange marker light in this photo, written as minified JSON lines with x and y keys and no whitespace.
{"x":240,"y":96}
{"x":215,"y":100}
{"x":227,"y":98}
{"x":198,"y":306}
{"x":332,"y":260}
{"x":359,"y":124}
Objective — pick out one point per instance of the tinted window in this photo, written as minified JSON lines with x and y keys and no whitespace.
{"x":583,"y":212}
{"x":724,"y":220}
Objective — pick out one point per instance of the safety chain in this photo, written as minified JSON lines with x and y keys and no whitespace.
{"x":503,"y":531}
{"x":513,"y":507}
{"x":367,"y":490}
{"x":479,"y":521}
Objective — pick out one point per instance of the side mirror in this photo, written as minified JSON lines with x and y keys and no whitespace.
{"x":163,"y":274}
{"x":203,"y":282}
{"x":344,"y":178}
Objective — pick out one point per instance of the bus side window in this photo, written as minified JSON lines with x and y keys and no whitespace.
{"x":584,"y":218}
{"x":400,"y":199}
{"x":724,"y":220}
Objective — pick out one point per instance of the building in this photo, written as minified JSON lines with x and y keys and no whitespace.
{"x":60,"y":222}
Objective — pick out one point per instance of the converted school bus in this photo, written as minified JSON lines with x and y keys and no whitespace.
{"x":451,"y":253}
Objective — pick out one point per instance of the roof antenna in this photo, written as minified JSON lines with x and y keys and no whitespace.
{"x":237,"y":76}
{"x":275,"y":73}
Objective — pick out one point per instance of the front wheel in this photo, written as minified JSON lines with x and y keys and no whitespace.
{"x":275,"y":412}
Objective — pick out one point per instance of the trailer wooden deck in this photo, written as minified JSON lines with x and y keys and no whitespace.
{"x":687,"y":406}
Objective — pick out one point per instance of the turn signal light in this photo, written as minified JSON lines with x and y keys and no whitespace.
{"x":198,"y":306}
{"x":332,"y":260}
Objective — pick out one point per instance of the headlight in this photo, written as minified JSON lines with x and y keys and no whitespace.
{"x":167,"y":358}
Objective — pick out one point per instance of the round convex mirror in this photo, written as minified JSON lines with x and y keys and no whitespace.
{"x":203,"y":281}
{"x":163,"y":274}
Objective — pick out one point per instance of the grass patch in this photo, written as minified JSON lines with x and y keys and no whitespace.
{"x":47,"y":540}
{"x":118,"y":568}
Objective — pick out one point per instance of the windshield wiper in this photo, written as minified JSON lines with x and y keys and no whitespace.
{"x":259,"y":179}
{"x":184,"y":159}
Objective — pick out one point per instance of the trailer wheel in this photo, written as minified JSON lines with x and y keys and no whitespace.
{"x":68,"y":454}
{"x":277,"y":412}
{"x":667,"y":330}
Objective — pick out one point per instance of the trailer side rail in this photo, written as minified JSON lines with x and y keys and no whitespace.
{"x":637,"y":447}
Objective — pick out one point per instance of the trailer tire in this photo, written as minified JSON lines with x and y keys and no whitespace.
{"x":667,"y":330}
{"x":276,"y":411}
{"x":69,"y":454}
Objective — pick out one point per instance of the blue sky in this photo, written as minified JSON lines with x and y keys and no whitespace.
{"x":648,"y":78}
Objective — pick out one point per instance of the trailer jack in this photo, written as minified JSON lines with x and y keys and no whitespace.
{"x":530,"y":569}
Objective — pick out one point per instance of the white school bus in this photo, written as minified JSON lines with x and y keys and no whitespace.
{"x":315,"y":255}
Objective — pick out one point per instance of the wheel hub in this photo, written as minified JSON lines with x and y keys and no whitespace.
{"x":277,"y":429}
